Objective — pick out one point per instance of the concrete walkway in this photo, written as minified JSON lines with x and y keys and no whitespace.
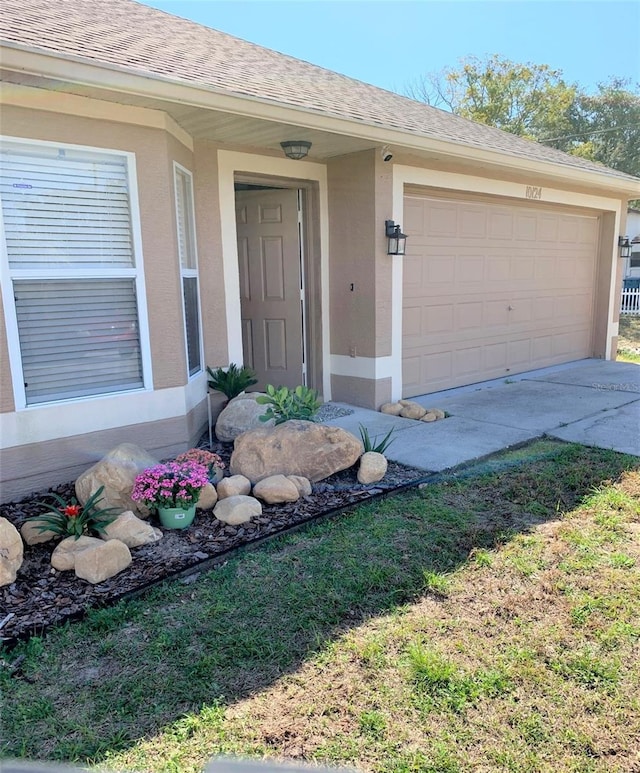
{"x":593,"y":402}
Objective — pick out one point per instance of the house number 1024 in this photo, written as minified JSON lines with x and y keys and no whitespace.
{"x":533,"y":192}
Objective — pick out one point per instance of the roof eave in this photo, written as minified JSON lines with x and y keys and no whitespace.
{"x":76,"y":69}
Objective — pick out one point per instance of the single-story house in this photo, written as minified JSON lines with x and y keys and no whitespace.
{"x":154,"y":224}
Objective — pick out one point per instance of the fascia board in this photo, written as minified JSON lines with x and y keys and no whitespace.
{"x":75,"y":69}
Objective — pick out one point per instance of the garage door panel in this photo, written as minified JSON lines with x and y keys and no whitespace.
{"x":469,"y":315}
{"x":522,"y":269}
{"x":568,"y":230}
{"x":495,"y":356}
{"x":473,"y":223}
{"x":496,"y":313}
{"x":542,"y":348}
{"x":441,"y":270}
{"x":412,"y":327}
{"x":519,"y":352}
{"x":470,"y":268}
{"x":467,"y":361}
{"x":547,"y":228}
{"x":499,"y":290}
{"x":437,"y":319}
{"x":501,"y":225}
{"x":525,"y":228}
{"x":441,"y":220}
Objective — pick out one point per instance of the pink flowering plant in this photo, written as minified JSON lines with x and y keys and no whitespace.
{"x":213,"y":462}
{"x":173,"y":484}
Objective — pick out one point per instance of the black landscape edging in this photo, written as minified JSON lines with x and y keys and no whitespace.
{"x":205,"y":564}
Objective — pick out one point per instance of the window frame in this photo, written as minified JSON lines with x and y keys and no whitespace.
{"x":136,"y":272}
{"x":185,"y":272}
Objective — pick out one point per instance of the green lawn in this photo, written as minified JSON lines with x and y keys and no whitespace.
{"x":487,"y":622}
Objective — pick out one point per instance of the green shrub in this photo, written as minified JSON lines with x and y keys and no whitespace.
{"x":231,"y":381}
{"x":286,"y":404}
{"x":372,"y":445}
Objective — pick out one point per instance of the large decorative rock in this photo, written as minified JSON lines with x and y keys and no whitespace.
{"x":392,"y":409}
{"x":302,"y":484}
{"x":234,"y":485}
{"x":11,"y":552}
{"x":276,"y":489}
{"x":238,"y":509}
{"x":131,"y":530}
{"x":411,"y":410}
{"x":65,"y":554}
{"x":208,"y":497}
{"x":32,"y":535}
{"x":429,"y":416}
{"x":373,"y":467}
{"x":116,"y":472}
{"x":240,"y":415}
{"x":99,"y":562}
{"x":314,"y":451}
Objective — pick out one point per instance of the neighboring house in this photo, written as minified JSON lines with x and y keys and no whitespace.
{"x":153,"y":226}
{"x":632,"y":264}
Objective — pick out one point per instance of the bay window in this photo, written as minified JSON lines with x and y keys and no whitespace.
{"x":72,"y":280}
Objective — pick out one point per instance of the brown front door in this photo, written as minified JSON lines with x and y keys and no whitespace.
{"x":270,"y":285}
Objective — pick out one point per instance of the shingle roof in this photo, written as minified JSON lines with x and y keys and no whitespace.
{"x":143,"y":40}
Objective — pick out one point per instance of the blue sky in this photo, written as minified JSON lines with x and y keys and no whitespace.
{"x":389,"y":44}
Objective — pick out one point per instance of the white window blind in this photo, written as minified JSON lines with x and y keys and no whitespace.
{"x":67,"y":222}
{"x":188,"y":267}
{"x":66,"y":209}
{"x":78,"y":338}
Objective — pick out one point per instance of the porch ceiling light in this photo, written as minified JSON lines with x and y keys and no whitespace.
{"x":397,"y":240}
{"x":296,"y":149}
{"x":624,"y":245}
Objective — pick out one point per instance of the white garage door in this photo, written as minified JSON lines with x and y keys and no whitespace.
{"x":492,"y":289}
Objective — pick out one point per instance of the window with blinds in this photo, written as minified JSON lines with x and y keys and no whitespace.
{"x":188,"y":267}
{"x":71,"y":262}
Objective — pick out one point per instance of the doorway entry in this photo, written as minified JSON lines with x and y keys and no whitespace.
{"x":269,"y":222}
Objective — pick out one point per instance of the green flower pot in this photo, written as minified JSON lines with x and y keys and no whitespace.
{"x":176,"y":517}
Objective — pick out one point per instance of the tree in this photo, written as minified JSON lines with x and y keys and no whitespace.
{"x":533,"y":101}
{"x":608,"y":126}
{"x":530,"y":100}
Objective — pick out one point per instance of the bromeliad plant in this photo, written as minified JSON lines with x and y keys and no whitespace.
{"x":173,"y":484}
{"x":286,"y":404}
{"x":213,"y":462}
{"x":73,"y":519}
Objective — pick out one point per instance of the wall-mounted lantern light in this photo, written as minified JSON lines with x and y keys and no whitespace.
{"x":296,"y":149}
{"x":624,"y":246}
{"x":397,"y":240}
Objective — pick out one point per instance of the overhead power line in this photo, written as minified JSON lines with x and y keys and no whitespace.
{"x":590,"y":133}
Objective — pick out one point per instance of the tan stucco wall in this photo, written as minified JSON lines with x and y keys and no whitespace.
{"x":360,"y":200}
{"x":352,"y":251}
{"x":210,"y":265}
{"x":366,"y":392}
{"x":36,"y":466}
{"x":153,"y":150}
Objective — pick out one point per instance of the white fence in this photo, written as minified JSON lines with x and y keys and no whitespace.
{"x":630,"y":303}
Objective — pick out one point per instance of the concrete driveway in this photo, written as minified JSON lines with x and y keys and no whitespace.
{"x":593,"y":402}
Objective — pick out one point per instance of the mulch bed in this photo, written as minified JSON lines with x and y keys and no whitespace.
{"x":42,"y":597}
